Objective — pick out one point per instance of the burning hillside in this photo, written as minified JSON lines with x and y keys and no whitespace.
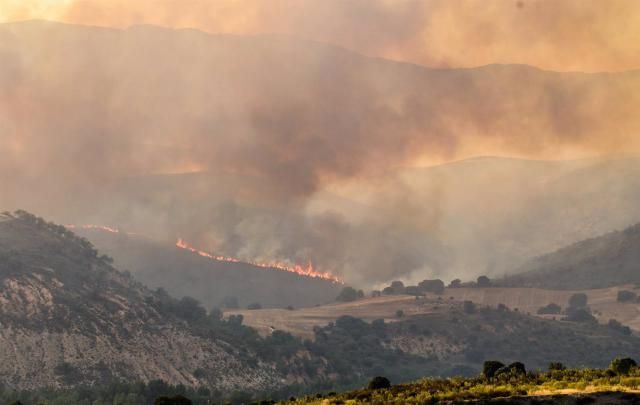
{"x":305,"y":271}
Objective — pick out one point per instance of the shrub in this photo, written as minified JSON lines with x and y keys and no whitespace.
{"x":618,"y":327}
{"x":347,"y":294}
{"x":580,"y":315}
{"x":550,"y":309}
{"x":491,"y":367}
{"x":397,"y":287}
{"x":469,"y":307}
{"x":378,"y":383}
{"x":457,"y":283}
{"x":622,"y":366}
{"x":432,"y":286}
{"x":556,"y":366}
{"x":578,"y":300}
{"x":399,"y":313}
{"x":626,"y":296}
{"x":484,"y":281}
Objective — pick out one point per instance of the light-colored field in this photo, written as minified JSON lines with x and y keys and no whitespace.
{"x":300,"y":322}
{"x":603,"y":302}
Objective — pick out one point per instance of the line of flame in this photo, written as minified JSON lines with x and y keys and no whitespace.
{"x":307,"y":271}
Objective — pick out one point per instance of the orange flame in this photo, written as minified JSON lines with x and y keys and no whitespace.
{"x":306,"y":271}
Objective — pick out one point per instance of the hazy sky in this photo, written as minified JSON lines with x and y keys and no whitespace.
{"x":565,"y":35}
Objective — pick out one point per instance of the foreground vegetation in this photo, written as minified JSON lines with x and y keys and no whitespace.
{"x":623,"y":375}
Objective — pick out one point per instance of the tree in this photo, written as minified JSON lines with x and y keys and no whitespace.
{"x":580,"y":315}
{"x":627,"y":296}
{"x":347,"y":294}
{"x":379,"y":383}
{"x":399,"y":313}
{"x":622,"y":366}
{"x":457,"y":283}
{"x":550,"y":309}
{"x":468,"y":307}
{"x":432,"y":286}
{"x":490,"y":368}
{"x":376,"y":293}
{"x":397,"y":287}
{"x":483,"y":281}
{"x":578,"y":300}
{"x":618,"y":327}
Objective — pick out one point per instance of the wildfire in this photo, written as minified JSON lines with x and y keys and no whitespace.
{"x":307,"y":271}
{"x":98,"y":227}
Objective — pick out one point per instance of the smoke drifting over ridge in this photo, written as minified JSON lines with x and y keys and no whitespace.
{"x":272,"y":122}
{"x":567,"y":35}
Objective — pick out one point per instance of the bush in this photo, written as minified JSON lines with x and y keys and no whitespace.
{"x":468,"y":307}
{"x":457,"y":283}
{"x":484,"y":281}
{"x":618,"y":327}
{"x":551,"y":309}
{"x":491,"y":367}
{"x":399,"y":313}
{"x":578,"y":300}
{"x":626,"y":296}
{"x":432,"y":286}
{"x":397,"y":287}
{"x":580,"y":315}
{"x":348,"y":294}
{"x":378,"y":383}
{"x":556,"y":366}
{"x":622,"y":366}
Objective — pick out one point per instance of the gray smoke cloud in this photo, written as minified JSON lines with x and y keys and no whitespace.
{"x":93,"y":119}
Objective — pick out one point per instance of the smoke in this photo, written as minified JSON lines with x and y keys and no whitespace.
{"x":568,"y":35}
{"x":93,"y":119}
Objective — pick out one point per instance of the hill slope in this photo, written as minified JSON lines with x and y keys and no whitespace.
{"x":183,"y":273}
{"x":69,"y":318}
{"x":609,"y":260}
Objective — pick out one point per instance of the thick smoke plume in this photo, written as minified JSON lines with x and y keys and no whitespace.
{"x":93,"y":119}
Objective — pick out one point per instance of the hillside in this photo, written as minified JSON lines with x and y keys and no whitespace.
{"x":439,"y":331}
{"x":604,"y":261}
{"x":182,"y":273}
{"x":69,"y":318}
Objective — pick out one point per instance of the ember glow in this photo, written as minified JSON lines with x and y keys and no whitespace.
{"x":307,"y":271}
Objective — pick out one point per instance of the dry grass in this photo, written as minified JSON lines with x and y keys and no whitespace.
{"x":300,"y":322}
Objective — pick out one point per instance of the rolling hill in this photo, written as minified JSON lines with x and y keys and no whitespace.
{"x":69,"y":318}
{"x":182,"y":273}
{"x":608,"y":260}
